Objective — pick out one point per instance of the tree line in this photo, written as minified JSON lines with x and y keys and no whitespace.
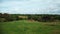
{"x":45,"y":18}
{"x":6,"y":17}
{"x":40,"y":17}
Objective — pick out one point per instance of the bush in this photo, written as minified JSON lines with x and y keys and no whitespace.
{"x":2,"y":19}
{"x":30,"y":17}
{"x":46,"y":19}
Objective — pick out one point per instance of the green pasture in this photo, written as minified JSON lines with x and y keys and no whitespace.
{"x":29,"y":27}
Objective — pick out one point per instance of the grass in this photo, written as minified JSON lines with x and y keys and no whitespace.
{"x":29,"y":27}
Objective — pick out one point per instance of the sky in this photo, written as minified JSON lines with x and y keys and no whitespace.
{"x":30,"y":6}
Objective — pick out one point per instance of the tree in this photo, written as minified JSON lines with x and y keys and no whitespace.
{"x":0,"y":15}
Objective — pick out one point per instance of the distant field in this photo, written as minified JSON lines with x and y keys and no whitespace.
{"x":29,"y":27}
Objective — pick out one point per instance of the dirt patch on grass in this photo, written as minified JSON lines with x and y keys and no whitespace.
{"x":55,"y":31}
{"x":51,"y":23}
{"x":31,"y":21}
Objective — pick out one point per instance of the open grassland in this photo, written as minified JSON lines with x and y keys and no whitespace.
{"x":30,"y":27}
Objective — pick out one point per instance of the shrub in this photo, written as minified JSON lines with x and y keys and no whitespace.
{"x":2,"y":19}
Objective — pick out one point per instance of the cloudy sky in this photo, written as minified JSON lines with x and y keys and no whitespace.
{"x":30,"y":6}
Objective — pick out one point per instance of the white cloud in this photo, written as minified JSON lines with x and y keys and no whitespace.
{"x":30,"y":6}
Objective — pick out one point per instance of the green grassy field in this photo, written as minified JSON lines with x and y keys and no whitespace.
{"x":29,"y":27}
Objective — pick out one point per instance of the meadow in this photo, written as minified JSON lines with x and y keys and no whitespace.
{"x":29,"y":27}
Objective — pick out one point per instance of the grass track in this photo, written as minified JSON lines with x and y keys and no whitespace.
{"x":27,"y":27}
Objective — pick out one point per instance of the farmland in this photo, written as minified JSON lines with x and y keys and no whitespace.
{"x":30,"y":27}
{"x":29,"y":24}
